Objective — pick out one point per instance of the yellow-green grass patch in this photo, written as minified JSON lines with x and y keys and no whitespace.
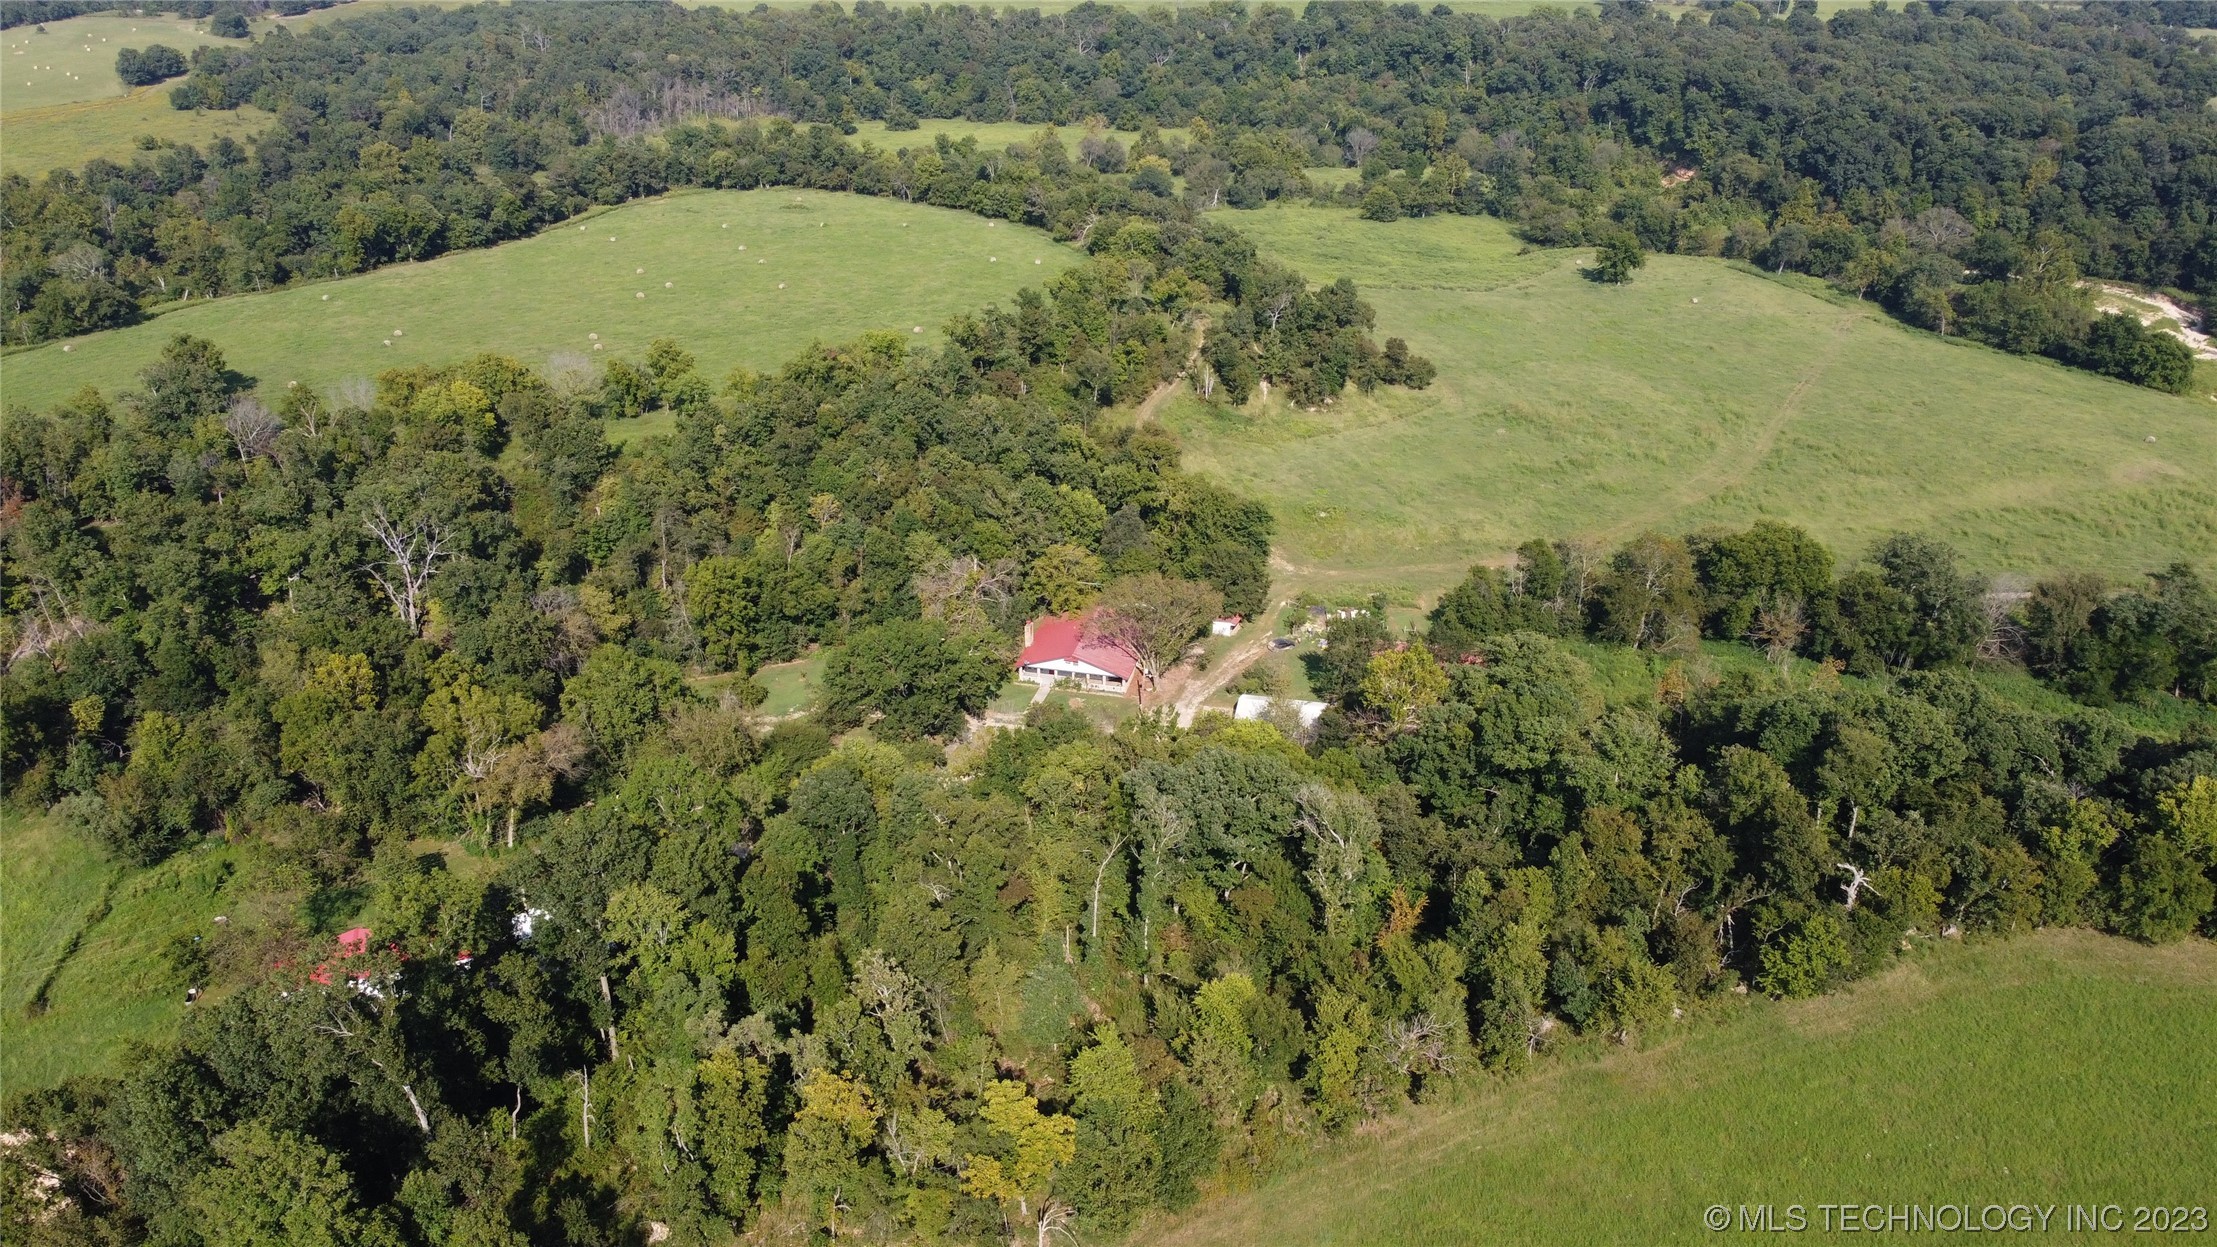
{"x":1701,"y":393}
{"x":66,"y":136}
{"x":86,"y":973}
{"x":2056,"y":1068}
{"x":73,"y":60}
{"x":991,"y":135}
{"x":847,"y":263}
{"x":793,"y":687}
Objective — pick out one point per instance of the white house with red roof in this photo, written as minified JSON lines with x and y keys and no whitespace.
{"x":1056,"y":650}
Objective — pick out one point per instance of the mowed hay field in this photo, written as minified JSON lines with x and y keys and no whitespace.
{"x":61,"y":103}
{"x":1700,"y":393}
{"x":73,"y":60}
{"x":848,"y":263}
{"x":2062,"y":1067}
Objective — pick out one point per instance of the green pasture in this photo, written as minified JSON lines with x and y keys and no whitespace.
{"x":1704,"y":392}
{"x":2056,"y":1068}
{"x":71,"y":61}
{"x":66,"y":136}
{"x":94,"y":936}
{"x":703,"y":267}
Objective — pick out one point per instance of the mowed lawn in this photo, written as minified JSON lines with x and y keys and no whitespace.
{"x":2056,"y":1068}
{"x":702,"y":267}
{"x":94,"y":936}
{"x":1701,"y":393}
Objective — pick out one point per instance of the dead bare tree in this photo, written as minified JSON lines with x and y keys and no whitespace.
{"x":1779,"y":628}
{"x":253,"y":427}
{"x":413,"y":551}
{"x":1093,"y":922}
{"x":1857,"y":881}
{"x":1055,"y":1217}
{"x":1360,"y":143}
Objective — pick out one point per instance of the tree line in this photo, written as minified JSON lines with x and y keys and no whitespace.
{"x":1961,"y":163}
{"x":1908,"y":605}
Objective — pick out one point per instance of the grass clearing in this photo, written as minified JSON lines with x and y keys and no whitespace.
{"x":1701,"y":393}
{"x":793,"y":686}
{"x":96,"y":941}
{"x":2061,"y":1067}
{"x":66,"y":136}
{"x":991,"y":135}
{"x":73,"y":60}
{"x":1014,"y":698}
{"x":847,"y":263}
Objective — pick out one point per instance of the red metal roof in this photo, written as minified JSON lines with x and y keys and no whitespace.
{"x":1062,"y":638}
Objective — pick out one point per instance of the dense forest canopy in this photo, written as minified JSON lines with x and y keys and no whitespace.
{"x":430,"y":656}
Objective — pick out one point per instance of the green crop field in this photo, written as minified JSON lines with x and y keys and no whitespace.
{"x":1703,"y":392}
{"x":675,"y":268}
{"x":2056,"y":1068}
{"x":93,"y":941}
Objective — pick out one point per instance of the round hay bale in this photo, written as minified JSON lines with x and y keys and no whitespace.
{"x":761,"y":261}
{"x":593,"y":337}
{"x":992,"y":259}
{"x":917,"y":329}
{"x":669,"y":285}
{"x":327,"y":298}
{"x":781,"y":285}
{"x":596,"y":346}
{"x":1035,"y":261}
{"x":641,"y":294}
{"x":638,"y":271}
{"x":611,"y":238}
{"x":742,"y":246}
{"x":398,"y":334}
{"x":388,"y":342}
{"x":2151,"y":439}
{"x":67,"y":347}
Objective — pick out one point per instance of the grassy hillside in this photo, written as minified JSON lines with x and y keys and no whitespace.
{"x":1700,"y":393}
{"x":2057,"y":1068}
{"x":65,"y":136}
{"x":83,"y":970}
{"x":68,"y":62}
{"x":713,"y":264}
